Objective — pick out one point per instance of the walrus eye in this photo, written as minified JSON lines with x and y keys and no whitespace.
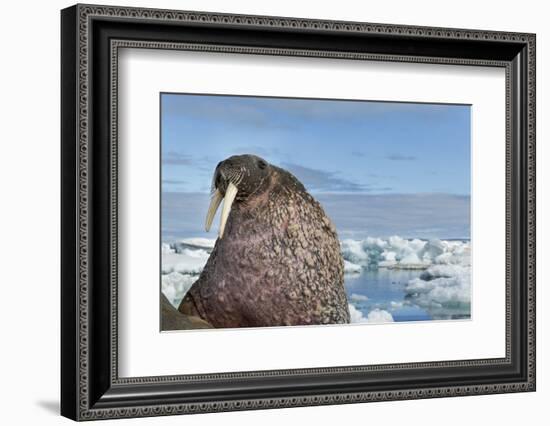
{"x":262,"y":164}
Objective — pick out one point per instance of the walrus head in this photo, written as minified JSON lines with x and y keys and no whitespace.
{"x":235,"y":180}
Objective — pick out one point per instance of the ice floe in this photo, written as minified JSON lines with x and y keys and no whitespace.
{"x":379,"y":316}
{"x":206,"y":243}
{"x":187,"y":261}
{"x":175,"y":285}
{"x":443,"y":290}
{"x":400,"y":253}
{"x":351,"y":268}
{"x":376,"y":316}
{"x":356,"y":316}
{"x":358,"y":297}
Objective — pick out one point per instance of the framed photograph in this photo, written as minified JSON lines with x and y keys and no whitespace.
{"x":263,"y":212}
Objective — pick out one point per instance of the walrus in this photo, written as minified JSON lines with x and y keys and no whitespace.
{"x":277,"y":259}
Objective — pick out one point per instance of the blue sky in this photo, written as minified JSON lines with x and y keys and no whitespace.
{"x":333,"y":146}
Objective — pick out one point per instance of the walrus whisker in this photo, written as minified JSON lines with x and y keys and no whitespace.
{"x":234,"y":176}
{"x":230,"y":194}
{"x":212,"y":208}
{"x":239,"y":178}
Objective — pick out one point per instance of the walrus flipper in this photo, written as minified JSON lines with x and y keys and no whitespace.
{"x":172,"y":319}
{"x":188,"y":306}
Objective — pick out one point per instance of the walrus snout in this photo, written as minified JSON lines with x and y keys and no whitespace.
{"x":235,"y":179}
{"x":225,"y":173}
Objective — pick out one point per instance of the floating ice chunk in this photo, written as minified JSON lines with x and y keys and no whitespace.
{"x":387,"y":264}
{"x":432,"y":249}
{"x":197,"y":254}
{"x":179,"y":246}
{"x":354,"y":252}
{"x":389,"y":256}
{"x":166,"y":249}
{"x":366,"y":253}
{"x":443,"y":290}
{"x":398,"y":252}
{"x":460,"y":253}
{"x":186,"y":262}
{"x":446,"y":271}
{"x":351,"y":268}
{"x":199,"y":242}
{"x":396,"y":305}
{"x":379,"y":316}
{"x":176,"y":285}
{"x":376,"y":316}
{"x":358,"y":297}
{"x":444,"y":258}
{"x":388,"y":259}
{"x":355,"y":315}
{"x":410,"y":259}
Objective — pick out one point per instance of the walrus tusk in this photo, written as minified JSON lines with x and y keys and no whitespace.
{"x":212,"y":208}
{"x":230,"y":194}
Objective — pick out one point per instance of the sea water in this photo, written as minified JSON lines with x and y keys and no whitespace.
{"x":384,"y":289}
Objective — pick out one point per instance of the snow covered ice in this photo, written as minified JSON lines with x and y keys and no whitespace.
{"x":442,"y":290}
{"x":397,"y":252}
{"x":439,"y":282}
{"x":376,"y":316}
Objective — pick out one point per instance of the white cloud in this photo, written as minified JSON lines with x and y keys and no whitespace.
{"x":409,"y":215}
{"x":322,"y":180}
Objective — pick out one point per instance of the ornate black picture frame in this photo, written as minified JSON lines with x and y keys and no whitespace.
{"x":90,"y":38}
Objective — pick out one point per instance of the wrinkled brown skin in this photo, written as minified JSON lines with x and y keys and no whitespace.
{"x":278,"y":263}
